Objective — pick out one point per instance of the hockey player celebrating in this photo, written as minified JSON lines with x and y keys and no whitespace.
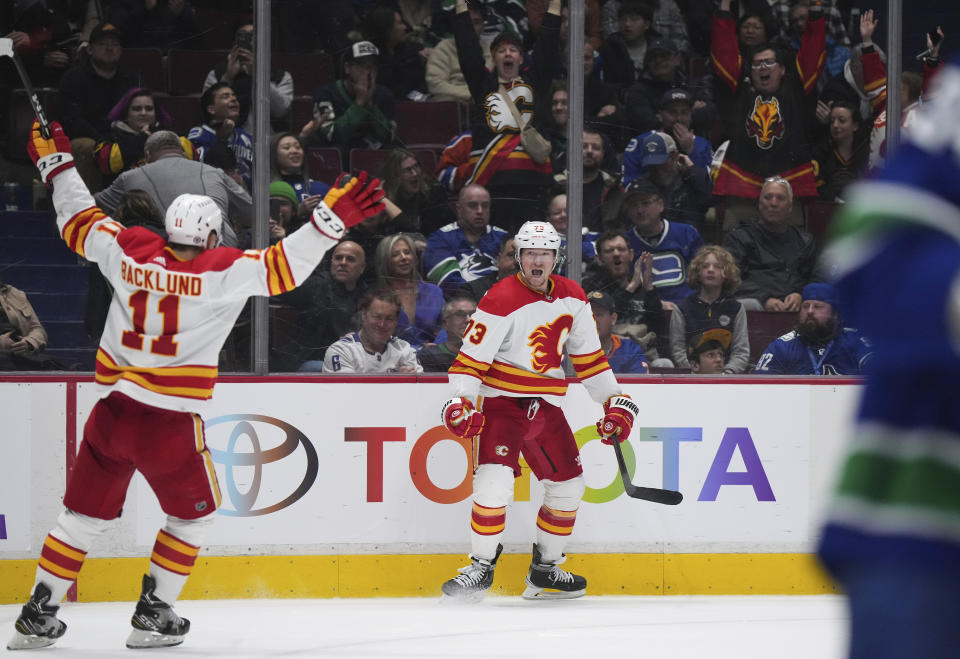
{"x":508,"y":382}
{"x":174,"y":304}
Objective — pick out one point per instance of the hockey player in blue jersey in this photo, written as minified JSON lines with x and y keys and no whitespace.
{"x":892,"y":536}
{"x":819,"y":344}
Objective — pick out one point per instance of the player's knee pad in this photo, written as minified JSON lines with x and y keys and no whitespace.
{"x":493,"y":485}
{"x":79,"y":531}
{"x":191,"y":531}
{"x":564,"y":495}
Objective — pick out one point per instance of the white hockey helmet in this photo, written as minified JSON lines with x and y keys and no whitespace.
{"x":537,"y":235}
{"x":191,"y":218}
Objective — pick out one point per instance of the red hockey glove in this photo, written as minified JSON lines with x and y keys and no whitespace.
{"x":460,"y":417}
{"x":51,"y":156}
{"x":619,"y":413}
{"x":351,"y":204}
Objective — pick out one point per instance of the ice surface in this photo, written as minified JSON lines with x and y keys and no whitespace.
{"x":672,"y":627}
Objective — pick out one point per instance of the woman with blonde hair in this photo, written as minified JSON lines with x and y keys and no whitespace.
{"x":398,"y":269}
{"x":714,"y":276}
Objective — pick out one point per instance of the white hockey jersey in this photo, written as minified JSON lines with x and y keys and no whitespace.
{"x":348,"y":355}
{"x":169,"y":318}
{"x":514,"y":343}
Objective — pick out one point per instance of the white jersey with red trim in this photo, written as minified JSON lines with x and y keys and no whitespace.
{"x":348,"y":355}
{"x":169,"y":318}
{"x":514,"y":343}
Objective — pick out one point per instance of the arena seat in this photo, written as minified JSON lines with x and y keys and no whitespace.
{"x":187,"y":69}
{"x":324,"y":164}
{"x":763,"y":327}
{"x":818,"y":215}
{"x":183,"y":110}
{"x":148,"y":64}
{"x":429,"y":125}
{"x":308,"y":70}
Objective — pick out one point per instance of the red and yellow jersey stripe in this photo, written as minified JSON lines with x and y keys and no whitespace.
{"x":77,"y":227}
{"x":519,"y":381}
{"x":465,"y":365}
{"x":185,"y":381}
{"x":590,"y":364}
{"x":279,"y":276}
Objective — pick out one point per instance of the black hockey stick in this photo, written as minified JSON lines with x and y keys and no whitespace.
{"x":654,"y":494}
{"x":7,"y":50}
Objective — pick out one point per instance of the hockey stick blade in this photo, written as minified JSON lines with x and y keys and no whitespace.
{"x":7,"y":50}
{"x":653,"y":494}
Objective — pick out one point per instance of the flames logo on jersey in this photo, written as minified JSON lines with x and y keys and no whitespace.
{"x":766,"y":123}
{"x":499,"y":117}
{"x":547,"y":343}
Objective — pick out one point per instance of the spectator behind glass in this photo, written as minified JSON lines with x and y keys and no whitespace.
{"x":506,"y":266}
{"x":419,"y":202}
{"x":841,"y":157}
{"x":154,"y":23}
{"x":402,"y":59}
{"x":373,"y":348}
{"x":22,"y":337}
{"x":289,"y":164}
{"x":42,"y":34}
{"x":776,"y":259}
{"x":220,"y":141}
{"x":775,"y":99}
{"x":466,"y":249}
{"x":601,"y":193}
{"x":238,"y":72}
{"x":133,"y":119}
{"x":438,"y":357}
{"x":707,"y":356}
{"x":282,"y":219}
{"x":623,"y":53}
{"x":327,"y":308}
{"x":169,"y":173}
{"x":515,"y":180}
{"x":136,"y":208}
{"x":623,"y":353}
{"x":88,"y":90}
{"x":557,"y":216}
{"x":556,"y":125}
{"x":421,"y":302}
{"x":819,"y":344}
{"x":793,"y":17}
{"x":354,"y":112}
{"x":714,"y":277}
{"x":444,"y":78}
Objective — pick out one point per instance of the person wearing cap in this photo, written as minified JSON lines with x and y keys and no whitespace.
{"x":776,"y":259}
{"x":88,"y":91}
{"x":516,"y":177}
{"x":624,"y":52}
{"x":766,"y":103}
{"x":237,"y":70}
{"x":662,"y":72}
{"x":674,"y":117}
{"x":819,"y":344}
{"x":623,"y":353}
{"x":685,"y":187}
{"x":673,"y":244}
{"x":707,"y":354}
{"x":354,"y":112}
{"x":714,"y":276}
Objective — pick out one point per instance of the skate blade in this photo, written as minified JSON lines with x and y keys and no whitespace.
{"x":537,"y":593}
{"x":140,"y":638}
{"x":29,"y":641}
{"x":468,"y":598}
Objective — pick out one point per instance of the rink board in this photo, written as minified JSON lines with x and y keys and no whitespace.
{"x":351,"y":489}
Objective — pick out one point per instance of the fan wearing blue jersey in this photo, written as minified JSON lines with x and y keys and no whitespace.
{"x":819,"y":344}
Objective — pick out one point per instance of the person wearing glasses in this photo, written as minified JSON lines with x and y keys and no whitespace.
{"x":767,"y":103}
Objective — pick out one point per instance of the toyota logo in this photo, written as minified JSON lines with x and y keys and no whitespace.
{"x":246,"y":427}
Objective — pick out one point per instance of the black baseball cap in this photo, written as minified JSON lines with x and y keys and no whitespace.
{"x":602,"y":299}
{"x":105,"y":31}
{"x":676,"y":95}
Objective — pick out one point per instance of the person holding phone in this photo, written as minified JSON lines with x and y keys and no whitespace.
{"x":238,"y":71}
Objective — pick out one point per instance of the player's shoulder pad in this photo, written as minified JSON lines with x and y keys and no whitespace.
{"x":139,"y":243}
{"x":214,"y":260}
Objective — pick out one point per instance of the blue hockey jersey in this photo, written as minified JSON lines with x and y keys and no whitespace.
{"x":450,"y":260}
{"x":789,"y":355}
{"x":240,"y":143}
{"x":627,"y":356}
{"x":702,"y":156}
{"x":672,"y":252}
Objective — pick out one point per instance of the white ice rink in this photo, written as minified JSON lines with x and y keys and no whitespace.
{"x":672,"y":627}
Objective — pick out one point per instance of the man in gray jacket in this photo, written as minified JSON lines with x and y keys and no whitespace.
{"x":169,"y":173}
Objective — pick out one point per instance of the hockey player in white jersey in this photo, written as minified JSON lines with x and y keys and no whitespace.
{"x":508,"y":382}
{"x":174,"y":304}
